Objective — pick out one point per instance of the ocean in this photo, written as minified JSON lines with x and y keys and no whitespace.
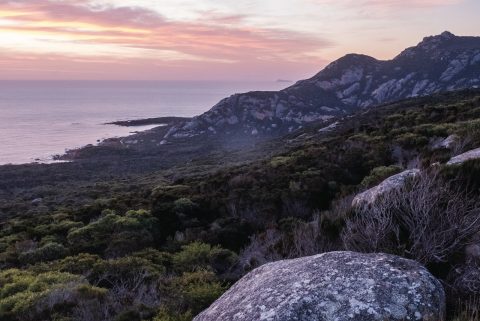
{"x":39,"y":119}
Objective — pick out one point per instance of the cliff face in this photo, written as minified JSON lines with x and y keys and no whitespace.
{"x":440,"y":63}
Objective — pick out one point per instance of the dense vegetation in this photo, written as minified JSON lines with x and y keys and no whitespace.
{"x":162,"y":244}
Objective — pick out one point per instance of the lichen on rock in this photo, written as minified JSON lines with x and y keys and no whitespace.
{"x":389,"y":184}
{"x":340,"y":286}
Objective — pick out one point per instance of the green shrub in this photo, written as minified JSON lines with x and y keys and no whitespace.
{"x":169,"y":192}
{"x":81,"y":264}
{"x":56,"y":228}
{"x":434,"y":130}
{"x":126,"y":268}
{"x":49,"y":239}
{"x":411,"y":140}
{"x":167,"y":315}
{"x":184,"y":205}
{"x":119,"y":234}
{"x":198,"y":289}
{"x":280,"y":161}
{"x":198,"y":255}
{"x":48,"y":252}
{"x":30,"y":295}
{"x":130,"y":315}
{"x":378,"y":174}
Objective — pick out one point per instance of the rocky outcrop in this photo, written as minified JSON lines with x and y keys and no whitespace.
{"x":462,"y":158}
{"x":389,"y":184}
{"x":440,"y":63}
{"x":448,"y":142}
{"x":336,"y":286}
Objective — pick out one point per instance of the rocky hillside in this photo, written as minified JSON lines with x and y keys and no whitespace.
{"x":439,"y":63}
{"x":123,"y":239}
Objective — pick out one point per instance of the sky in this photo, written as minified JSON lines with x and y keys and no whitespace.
{"x":244,"y":40}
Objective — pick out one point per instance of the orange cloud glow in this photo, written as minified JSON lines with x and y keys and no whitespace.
{"x":407,"y":4}
{"x":70,"y":30}
{"x":210,"y":39}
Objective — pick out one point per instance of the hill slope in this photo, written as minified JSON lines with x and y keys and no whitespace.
{"x":126,"y":246}
{"x":440,"y":63}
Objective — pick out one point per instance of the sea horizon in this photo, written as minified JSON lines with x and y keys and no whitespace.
{"x":43,"y":118}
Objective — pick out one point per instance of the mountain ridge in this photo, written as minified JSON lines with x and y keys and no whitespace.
{"x":438,"y":63}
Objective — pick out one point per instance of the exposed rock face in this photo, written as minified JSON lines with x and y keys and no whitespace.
{"x":336,"y":286}
{"x":448,"y":142}
{"x":389,"y":184}
{"x":462,"y":158}
{"x":441,"y":63}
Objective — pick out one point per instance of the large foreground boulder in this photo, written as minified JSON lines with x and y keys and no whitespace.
{"x":336,"y":286}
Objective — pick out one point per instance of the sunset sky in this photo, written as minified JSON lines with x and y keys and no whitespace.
{"x":212,"y":39}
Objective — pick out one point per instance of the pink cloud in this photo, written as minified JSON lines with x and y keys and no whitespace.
{"x":81,"y":10}
{"x":215,"y":39}
{"x":411,"y":3}
{"x":405,"y":4}
{"x":38,"y":66}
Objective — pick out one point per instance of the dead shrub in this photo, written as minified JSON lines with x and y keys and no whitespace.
{"x":428,"y":219}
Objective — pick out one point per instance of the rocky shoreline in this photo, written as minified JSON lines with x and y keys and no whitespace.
{"x":141,"y":140}
{"x":149,"y":121}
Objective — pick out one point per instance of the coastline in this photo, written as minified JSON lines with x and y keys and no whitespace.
{"x":62,"y":127}
{"x":149,"y":121}
{"x":137,"y":141}
{"x":132,"y":128}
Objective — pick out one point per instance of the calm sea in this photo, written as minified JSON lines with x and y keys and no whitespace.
{"x":39,"y":119}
